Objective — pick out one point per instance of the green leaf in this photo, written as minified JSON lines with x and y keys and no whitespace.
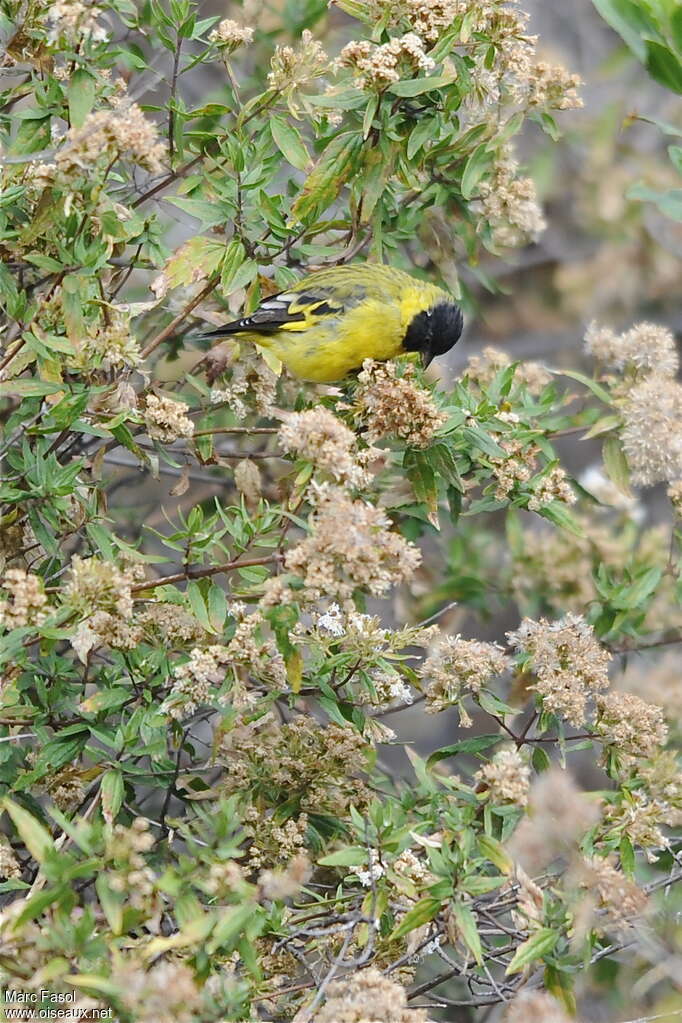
{"x":537,"y":946}
{"x":35,"y":837}
{"x":112,"y":791}
{"x":675,"y":154}
{"x":473,"y":745}
{"x":328,"y":176}
{"x":416,"y":86}
{"x":217,"y":607}
{"x":468,"y":931}
{"x":540,"y":759}
{"x":351,"y":856}
{"x":597,"y":390}
{"x":29,"y":388}
{"x":616,"y":464}
{"x":664,"y":66}
{"x":81,"y":95}
{"x":198,"y":604}
{"x":289,"y":143}
{"x":419,"y":136}
{"x":476,"y":166}
{"x":230,"y":925}
{"x":425,"y":910}
{"x":496,"y":853}
{"x":627,"y":19}
{"x":627,"y":856}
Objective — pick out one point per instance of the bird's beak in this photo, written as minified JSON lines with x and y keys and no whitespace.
{"x":427,"y":359}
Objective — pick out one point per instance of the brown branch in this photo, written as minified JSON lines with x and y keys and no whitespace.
{"x":169,"y":330}
{"x":203,"y":573}
{"x":235,"y":429}
{"x":168,"y":180}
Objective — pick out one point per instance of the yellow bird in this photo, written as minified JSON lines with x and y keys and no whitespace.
{"x":323,"y":327}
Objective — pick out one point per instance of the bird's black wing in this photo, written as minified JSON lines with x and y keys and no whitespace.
{"x":286,"y":310}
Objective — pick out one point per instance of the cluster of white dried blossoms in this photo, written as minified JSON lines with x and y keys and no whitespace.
{"x":379,"y":65}
{"x":166,"y":993}
{"x":105,"y":629}
{"x":283,"y":884}
{"x":535,"y":1007}
{"x":367,"y":995}
{"x":194,"y":680}
{"x":645,"y":348}
{"x":652,"y":430}
{"x":121,"y":132}
{"x":319,"y":437}
{"x":458,"y":666}
{"x":25,"y":602}
{"x":567,"y":660}
{"x":291,"y":69}
{"x":249,"y":657}
{"x":166,"y":419}
{"x":229,"y":35}
{"x":634,"y":727}
{"x":506,"y":779}
{"x":109,"y":345}
{"x":516,"y":468}
{"x":482,"y":369}
{"x":252,"y":386}
{"x":509,"y":203}
{"x":558,"y":816}
{"x":351,"y":544}
{"x":610,"y":900}
{"x":391,"y":405}
{"x":547,"y":85}
{"x":553,"y":486}
{"x":97,"y":585}
{"x":71,"y":22}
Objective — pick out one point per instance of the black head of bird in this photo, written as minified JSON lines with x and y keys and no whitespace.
{"x":434,"y":331}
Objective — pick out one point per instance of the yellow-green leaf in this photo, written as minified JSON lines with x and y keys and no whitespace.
{"x":467,"y":929}
{"x":35,"y":837}
{"x":537,"y":946}
{"x":424,"y":911}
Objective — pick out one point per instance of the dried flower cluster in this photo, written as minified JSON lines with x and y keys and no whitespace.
{"x":378,"y":66}
{"x":351,"y":544}
{"x":552,"y":486}
{"x":615,"y":900}
{"x":535,"y":1007}
{"x":166,"y":419}
{"x":110,"y":345}
{"x":516,"y":468}
{"x":569,"y":663}
{"x":122,"y":132}
{"x":96,"y":585}
{"x":26,"y":601}
{"x":71,"y":22}
{"x":506,"y":779}
{"x":509,"y":204}
{"x":395,"y":406}
{"x":645,"y":348}
{"x":292,"y":69}
{"x":457,"y":666}
{"x":229,"y":35}
{"x":319,"y":437}
{"x":635,"y":728}
{"x":367,"y":995}
{"x":482,"y":369}
{"x":652,"y":432}
{"x":252,"y":386}
{"x":321,"y":767}
{"x":558,"y":816}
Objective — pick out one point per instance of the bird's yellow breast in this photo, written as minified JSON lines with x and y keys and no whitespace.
{"x":333,"y":348}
